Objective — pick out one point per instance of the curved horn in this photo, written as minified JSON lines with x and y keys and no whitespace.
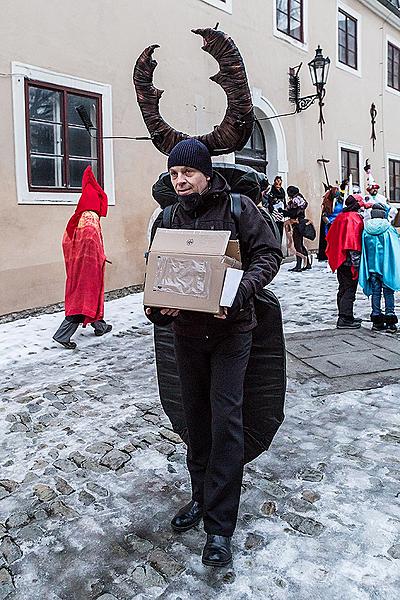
{"x":237,"y":124}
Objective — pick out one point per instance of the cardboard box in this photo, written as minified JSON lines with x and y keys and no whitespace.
{"x":186,"y":269}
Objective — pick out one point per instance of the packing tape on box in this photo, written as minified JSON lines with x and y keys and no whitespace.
{"x":185,"y":276}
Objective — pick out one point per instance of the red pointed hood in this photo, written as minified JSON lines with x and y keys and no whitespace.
{"x":93,"y":198}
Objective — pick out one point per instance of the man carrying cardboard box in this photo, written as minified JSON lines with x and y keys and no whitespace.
{"x":212,"y":351}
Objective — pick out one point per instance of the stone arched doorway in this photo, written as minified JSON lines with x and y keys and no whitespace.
{"x":274,"y":136}
{"x":254,"y":154}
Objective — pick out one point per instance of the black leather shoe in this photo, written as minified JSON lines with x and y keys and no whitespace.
{"x":189,"y":516}
{"x":217,"y":551}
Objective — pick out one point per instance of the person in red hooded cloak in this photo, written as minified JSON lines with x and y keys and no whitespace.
{"x":85,"y":260}
{"x":344,"y":253}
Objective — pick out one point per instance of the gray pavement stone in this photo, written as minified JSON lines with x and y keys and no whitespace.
{"x":139,"y":545}
{"x":99,"y":448}
{"x":304,"y":525}
{"x":115,"y":459}
{"x":63,"y":487}
{"x":165,"y":564}
{"x":6,"y":584}
{"x":9,"y":485}
{"x":17,"y":520}
{"x":310,"y":496}
{"x":10,"y":550}
{"x":394,"y":551}
{"x":44,"y":492}
{"x":65,"y":465}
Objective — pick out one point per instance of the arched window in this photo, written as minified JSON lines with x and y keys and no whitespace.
{"x":254,"y":154}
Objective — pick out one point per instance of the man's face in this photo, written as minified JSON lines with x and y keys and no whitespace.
{"x":187,"y":180}
{"x":278,"y":183}
{"x":374,"y":192}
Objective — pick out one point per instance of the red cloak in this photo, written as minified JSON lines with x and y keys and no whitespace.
{"x":344,"y":234}
{"x":84,"y":253}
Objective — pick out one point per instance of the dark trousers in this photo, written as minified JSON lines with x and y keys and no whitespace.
{"x":211,"y":373}
{"x":347,"y":292}
{"x":280,"y":226}
{"x":70,"y":324}
{"x":298,"y":241}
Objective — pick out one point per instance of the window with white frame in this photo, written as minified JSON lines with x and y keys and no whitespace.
{"x":394,"y":180}
{"x":52,"y":145}
{"x":347,"y":39}
{"x":59,"y":148}
{"x":225,"y":5}
{"x":289,"y":18}
{"x":393,"y":66}
{"x":350,"y":164}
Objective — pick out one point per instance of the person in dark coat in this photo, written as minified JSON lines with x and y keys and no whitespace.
{"x":344,"y":253}
{"x":212,"y":352}
{"x":275,"y":202}
{"x":296,"y":210}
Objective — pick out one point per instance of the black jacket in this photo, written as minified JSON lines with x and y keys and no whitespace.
{"x":261,"y":257}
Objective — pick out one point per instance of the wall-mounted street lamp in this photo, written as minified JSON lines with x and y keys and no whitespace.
{"x":319,"y":70}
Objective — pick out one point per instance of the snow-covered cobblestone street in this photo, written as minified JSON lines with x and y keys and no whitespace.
{"x":91,"y":473}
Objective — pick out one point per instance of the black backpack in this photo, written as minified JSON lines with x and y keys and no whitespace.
{"x":236,"y":209}
{"x":307,"y":229}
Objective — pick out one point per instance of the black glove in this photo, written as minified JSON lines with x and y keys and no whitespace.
{"x":157,"y":318}
{"x":238,"y":303}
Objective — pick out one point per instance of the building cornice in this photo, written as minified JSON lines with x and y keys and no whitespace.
{"x":387,"y":9}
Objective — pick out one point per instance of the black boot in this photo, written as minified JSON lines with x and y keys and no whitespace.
{"x":297,"y":268}
{"x":391,"y":321}
{"x":217,"y":551}
{"x":188,"y":516}
{"x":308,"y":265}
{"x":348,"y":323}
{"x":378,"y":323}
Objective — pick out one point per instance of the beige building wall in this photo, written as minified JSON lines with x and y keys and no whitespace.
{"x":99,"y":40}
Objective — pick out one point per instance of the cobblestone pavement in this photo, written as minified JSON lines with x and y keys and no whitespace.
{"x":91,"y":473}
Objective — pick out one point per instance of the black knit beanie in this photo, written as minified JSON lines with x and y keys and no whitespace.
{"x":191,"y":153}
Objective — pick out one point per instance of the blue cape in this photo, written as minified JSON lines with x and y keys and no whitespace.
{"x":380,"y":254}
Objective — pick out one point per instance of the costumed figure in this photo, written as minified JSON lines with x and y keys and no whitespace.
{"x":380,"y":268}
{"x":332,"y":205}
{"x":344,"y":252}
{"x":84,"y":264}
{"x":275,"y":202}
{"x":374,"y":197}
{"x":296,"y":210}
{"x":211,"y":371}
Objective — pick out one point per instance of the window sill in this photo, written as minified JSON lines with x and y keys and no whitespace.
{"x":290,"y":40}
{"x":224,"y":6}
{"x":351,"y":70}
{"x":392,"y":90}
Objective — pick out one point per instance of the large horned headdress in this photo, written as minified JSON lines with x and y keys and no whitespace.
{"x":237,"y":124}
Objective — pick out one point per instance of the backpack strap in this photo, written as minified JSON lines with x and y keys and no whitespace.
{"x":236,"y":209}
{"x":168,"y":216}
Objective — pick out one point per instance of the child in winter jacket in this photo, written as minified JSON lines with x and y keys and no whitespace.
{"x":380,"y":268}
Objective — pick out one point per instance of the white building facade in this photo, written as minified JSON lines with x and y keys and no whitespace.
{"x":54,"y":57}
